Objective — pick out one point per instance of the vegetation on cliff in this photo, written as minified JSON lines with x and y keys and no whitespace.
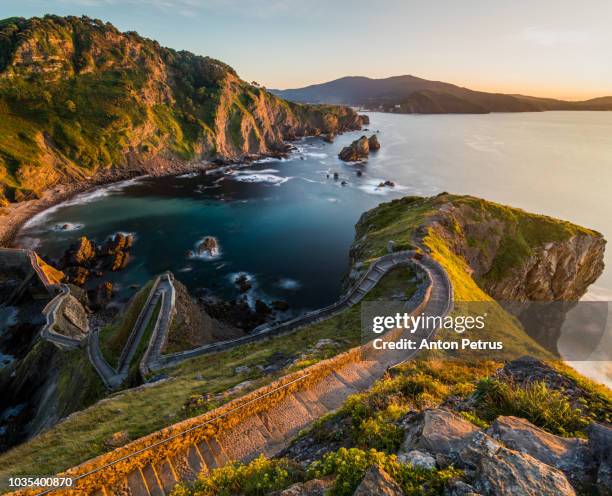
{"x":78,"y":97}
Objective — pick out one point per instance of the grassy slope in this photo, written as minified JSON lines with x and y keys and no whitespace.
{"x":114,"y":336}
{"x":369,"y":421}
{"x":525,"y":232}
{"x":95,"y":96}
{"x":141,"y":411}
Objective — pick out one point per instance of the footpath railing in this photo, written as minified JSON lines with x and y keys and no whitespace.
{"x":377,"y":269}
{"x":111,"y":471}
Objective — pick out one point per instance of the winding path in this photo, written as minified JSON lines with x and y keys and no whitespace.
{"x":163,"y":290}
{"x":264,"y":421}
{"x":155,"y":361}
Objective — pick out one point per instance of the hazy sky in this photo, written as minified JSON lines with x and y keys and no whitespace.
{"x":541,"y":47}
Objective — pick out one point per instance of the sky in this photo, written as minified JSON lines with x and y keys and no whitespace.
{"x":554,"y":48}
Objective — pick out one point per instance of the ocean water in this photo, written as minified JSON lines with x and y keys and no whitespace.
{"x":289,"y":225}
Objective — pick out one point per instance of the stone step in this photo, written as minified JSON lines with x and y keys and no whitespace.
{"x":152,"y":481}
{"x":167,"y":476}
{"x":136,"y":484}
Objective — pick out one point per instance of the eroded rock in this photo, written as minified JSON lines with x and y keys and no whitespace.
{"x":373,"y":143}
{"x":498,"y":470}
{"x":437,"y":431}
{"x":569,"y":455}
{"x":418,"y":459}
{"x":357,"y":150}
{"x":315,"y":487}
{"x":377,"y":481}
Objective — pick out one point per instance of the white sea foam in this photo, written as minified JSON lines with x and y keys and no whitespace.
{"x":194,"y":255}
{"x":82,"y":198}
{"x":66,"y":227}
{"x":371,"y":186}
{"x":188,"y":175}
{"x":261,"y":178}
{"x":316,"y":155}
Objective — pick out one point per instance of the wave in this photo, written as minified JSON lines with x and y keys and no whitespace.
{"x":261,"y":178}
{"x":372,"y":187}
{"x":188,"y":175}
{"x":83,"y":198}
{"x":66,"y":227}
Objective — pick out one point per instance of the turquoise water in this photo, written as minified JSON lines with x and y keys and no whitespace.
{"x":289,"y":226}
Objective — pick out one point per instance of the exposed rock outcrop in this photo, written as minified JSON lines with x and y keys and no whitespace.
{"x":357,"y":150}
{"x":499,"y":470}
{"x":570,"y":455}
{"x":209,"y":247}
{"x":84,"y":258}
{"x":373,"y":143}
{"x":189,"y":107}
{"x":377,"y":481}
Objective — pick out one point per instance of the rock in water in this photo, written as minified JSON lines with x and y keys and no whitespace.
{"x":209,"y":246}
{"x":357,"y":150}
{"x":243,"y":283}
{"x":329,"y":138}
{"x":364,"y":120}
{"x":373,"y":143}
{"x":81,"y":253}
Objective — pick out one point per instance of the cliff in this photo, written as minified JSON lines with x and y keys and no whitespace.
{"x":536,"y":266}
{"x":79,"y":98}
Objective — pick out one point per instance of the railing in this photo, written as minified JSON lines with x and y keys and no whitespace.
{"x":267,"y":331}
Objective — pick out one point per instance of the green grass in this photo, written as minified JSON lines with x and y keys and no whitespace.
{"x":140,"y":412}
{"x":542,"y":406}
{"x":114,"y":336}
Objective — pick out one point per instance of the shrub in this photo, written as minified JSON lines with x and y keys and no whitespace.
{"x":348,"y":466}
{"x":535,"y":401}
{"x":257,"y":478}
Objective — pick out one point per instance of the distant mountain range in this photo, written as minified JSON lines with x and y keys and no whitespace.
{"x":413,"y":95}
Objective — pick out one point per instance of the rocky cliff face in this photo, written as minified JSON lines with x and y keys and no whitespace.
{"x":535,"y":266}
{"x":78,"y":97}
{"x":519,"y":256}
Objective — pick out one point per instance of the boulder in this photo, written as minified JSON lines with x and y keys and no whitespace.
{"x":209,"y":246}
{"x":329,"y":138}
{"x":117,"y":439}
{"x":373,"y":143}
{"x":102,"y":295}
{"x":459,"y":488}
{"x":82,"y":253}
{"x":243,"y":283}
{"x":357,"y":150}
{"x":570,"y":455}
{"x":315,"y":487}
{"x":600,"y":446}
{"x":377,"y":481}
{"x":498,"y":470}
{"x":437,"y":431}
{"x":389,"y":184}
{"x":77,"y":275}
{"x":418,"y":459}
{"x":116,"y":249}
{"x":364,"y":120}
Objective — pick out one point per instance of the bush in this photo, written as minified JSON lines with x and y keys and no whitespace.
{"x":348,"y":466}
{"x":257,"y":478}
{"x":535,"y":401}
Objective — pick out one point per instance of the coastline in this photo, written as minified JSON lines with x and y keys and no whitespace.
{"x":17,"y":214}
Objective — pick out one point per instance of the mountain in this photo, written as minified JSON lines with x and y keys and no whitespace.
{"x":413,"y":95}
{"x":78,"y":98}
